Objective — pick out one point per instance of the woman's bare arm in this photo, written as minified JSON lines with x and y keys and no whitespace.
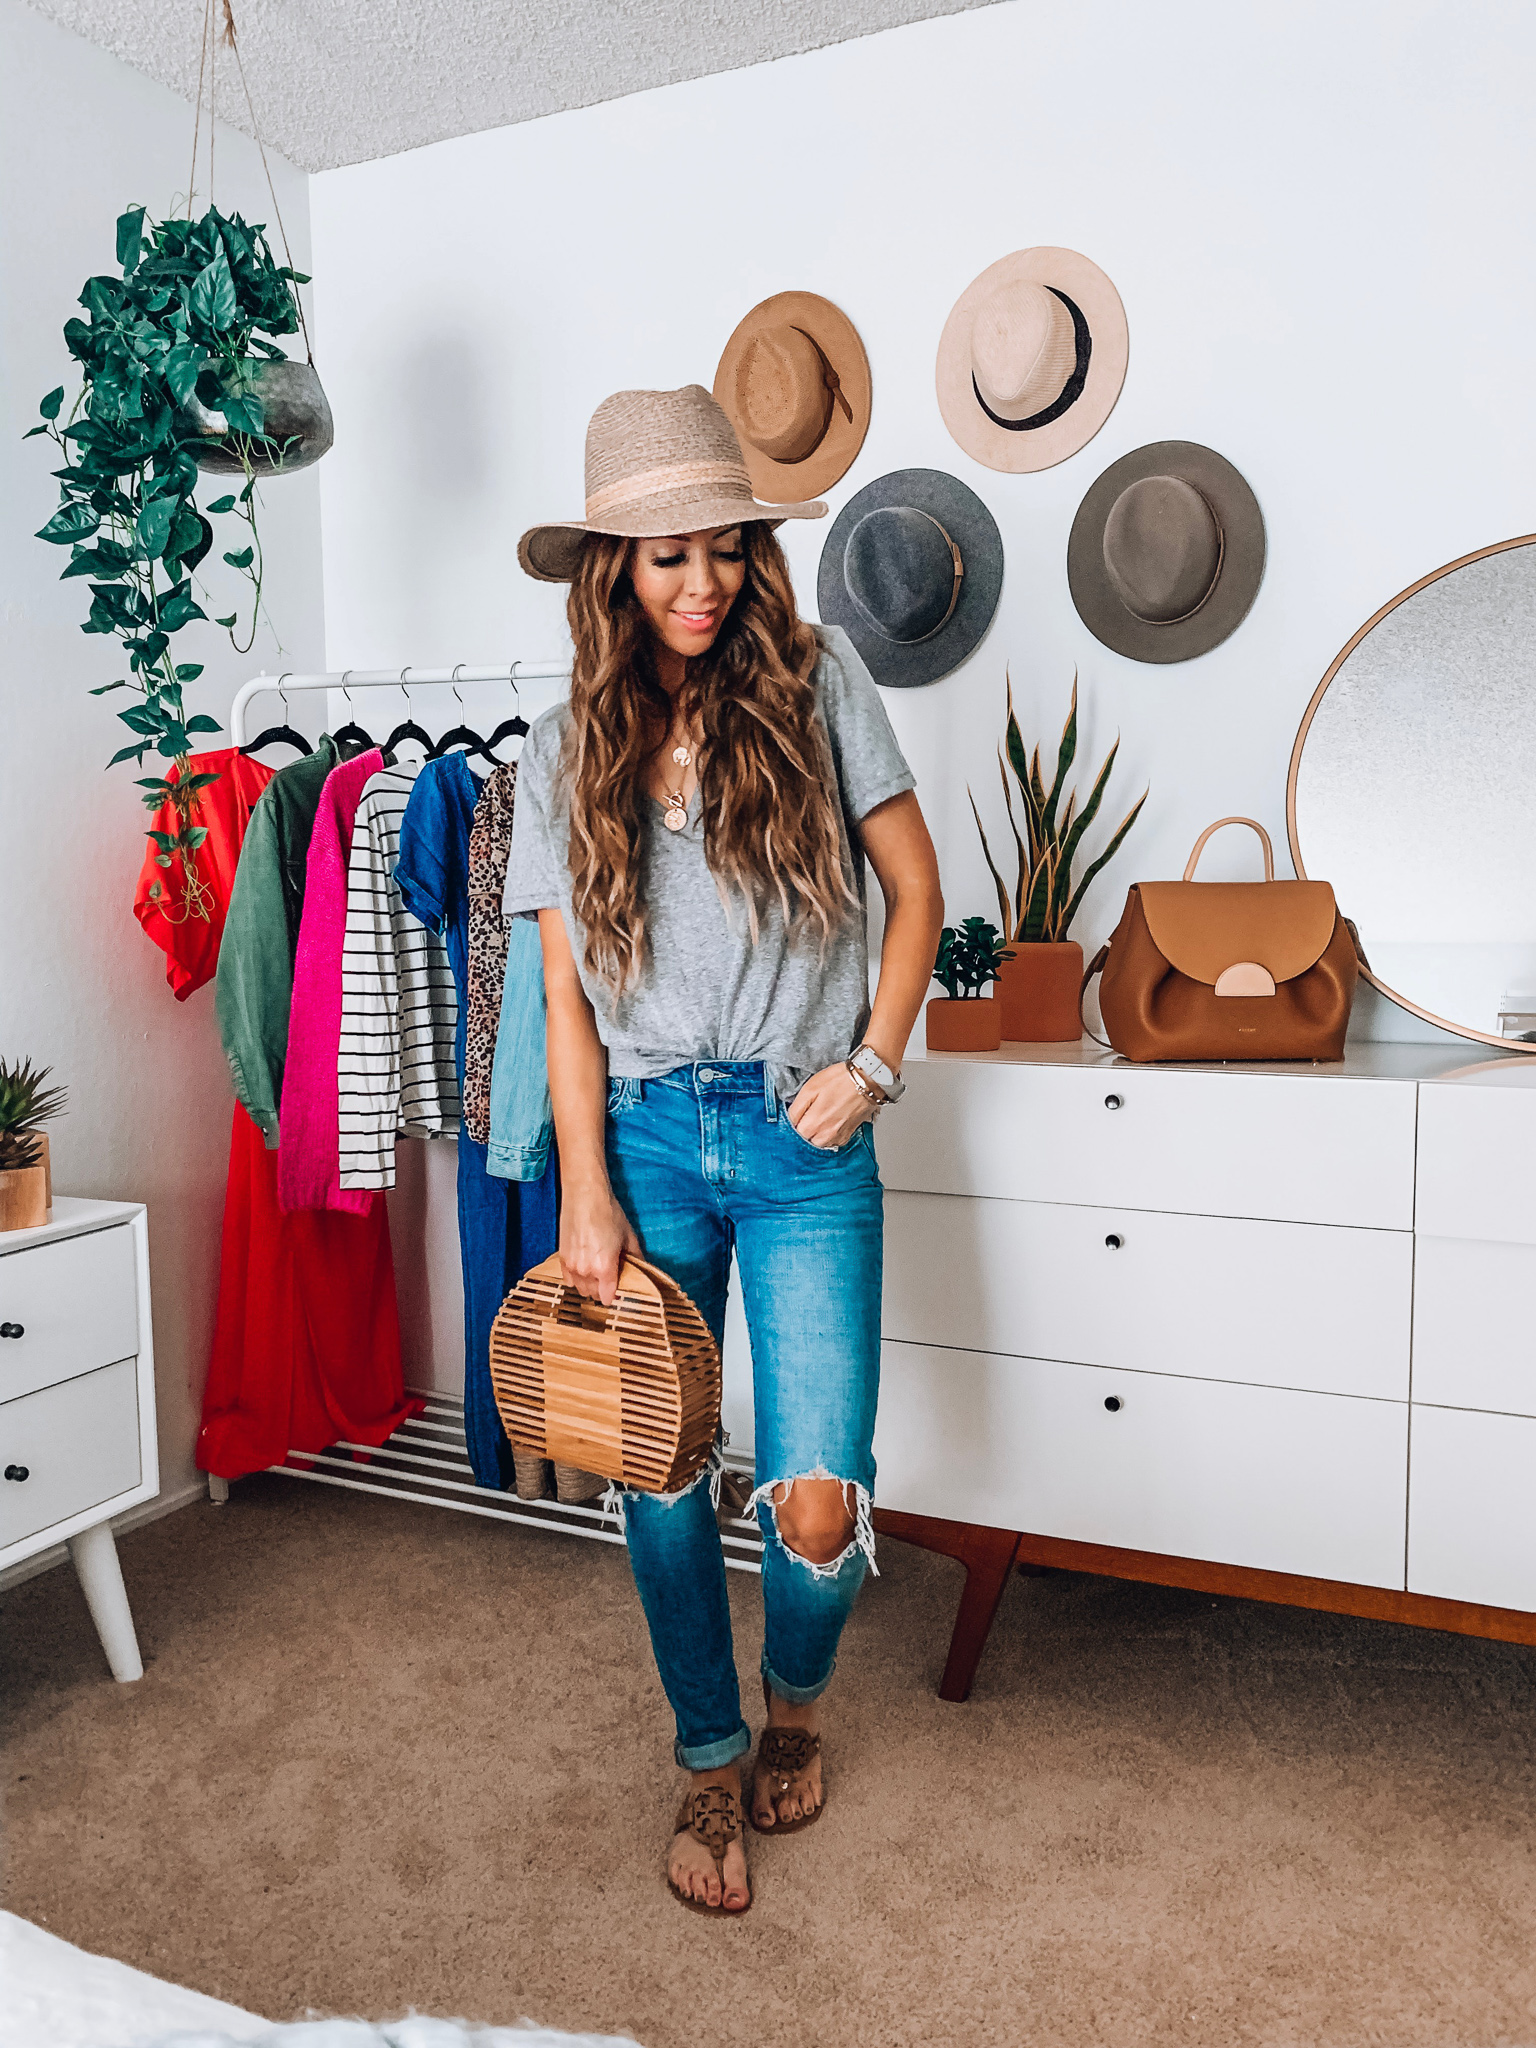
{"x":829,"y":1108}
{"x":594,"y":1231}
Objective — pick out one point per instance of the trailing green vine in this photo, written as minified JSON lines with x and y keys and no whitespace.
{"x":176,"y":338}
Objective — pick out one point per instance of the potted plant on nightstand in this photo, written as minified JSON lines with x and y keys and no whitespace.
{"x":970,"y":956}
{"x":25,"y":1105}
{"x":1042,"y":982}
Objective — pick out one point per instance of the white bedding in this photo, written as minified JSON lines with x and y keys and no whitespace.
{"x":53,"y":1995}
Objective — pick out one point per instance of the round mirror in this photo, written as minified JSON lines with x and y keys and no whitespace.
{"x":1413,"y":791}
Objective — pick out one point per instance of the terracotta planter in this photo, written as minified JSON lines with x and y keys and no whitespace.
{"x":964,"y":1024}
{"x":1039,"y":991}
{"x":23,"y":1197}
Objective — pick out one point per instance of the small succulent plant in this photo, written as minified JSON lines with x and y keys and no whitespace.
{"x":24,"y":1105}
{"x":970,"y":955}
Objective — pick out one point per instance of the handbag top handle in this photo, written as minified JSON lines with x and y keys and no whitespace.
{"x":1199,"y":846}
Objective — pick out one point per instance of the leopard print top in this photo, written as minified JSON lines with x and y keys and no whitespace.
{"x":490,"y":842}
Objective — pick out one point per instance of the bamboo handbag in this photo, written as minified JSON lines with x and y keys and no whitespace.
{"x":631,"y":1392}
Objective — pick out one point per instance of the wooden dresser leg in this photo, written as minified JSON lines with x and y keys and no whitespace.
{"x":101,"y":1580}
{"x":987,"y":1555}
{"x":988,"y":1558}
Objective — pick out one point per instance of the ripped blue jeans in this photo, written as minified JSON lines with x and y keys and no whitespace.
{"x":705,"y":1162}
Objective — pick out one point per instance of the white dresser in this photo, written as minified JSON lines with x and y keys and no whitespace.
{"x":77,"y":1398}
{"x":1262,"y":1329}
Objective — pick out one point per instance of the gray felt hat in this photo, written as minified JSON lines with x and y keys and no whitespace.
{"x":1166,"y":553}
{"x":912,"y":569}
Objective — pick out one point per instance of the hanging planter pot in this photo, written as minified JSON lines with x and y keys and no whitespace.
{"x":296,"y":424}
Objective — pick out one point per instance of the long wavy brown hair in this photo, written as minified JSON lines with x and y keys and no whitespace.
{"x":766,"y":782}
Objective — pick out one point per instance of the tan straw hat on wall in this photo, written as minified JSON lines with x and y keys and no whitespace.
{"x":794,"y":382}
{"x":658,"y":462}
{"x":1032,"y":359}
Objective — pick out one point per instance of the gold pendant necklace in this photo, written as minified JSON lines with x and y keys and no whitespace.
{"x":675,"y":817}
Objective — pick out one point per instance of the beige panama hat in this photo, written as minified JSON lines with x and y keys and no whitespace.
{"x":657,"y":462}
{"x":794,"y":382}
{"x":1032,"y":359}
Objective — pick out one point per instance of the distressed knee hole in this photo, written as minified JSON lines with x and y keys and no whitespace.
{"x":815,"y":1518}
{"x":820,"y":1521}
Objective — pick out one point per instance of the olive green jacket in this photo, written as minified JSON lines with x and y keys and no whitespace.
{"x":254,"y":984}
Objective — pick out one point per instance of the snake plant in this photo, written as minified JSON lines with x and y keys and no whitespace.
{"x":1044,"y":901}
{"x":24,"y":1104}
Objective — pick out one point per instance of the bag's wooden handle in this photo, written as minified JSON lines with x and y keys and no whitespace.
{"x":628,"y":1265}
{"x":1199,"y":847}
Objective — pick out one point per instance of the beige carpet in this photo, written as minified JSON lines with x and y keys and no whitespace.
{"x":385,"y":1758}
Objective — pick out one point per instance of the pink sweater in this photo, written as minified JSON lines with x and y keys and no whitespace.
{"x":308,"y":1175}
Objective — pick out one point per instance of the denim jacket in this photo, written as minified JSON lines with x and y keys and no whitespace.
{"x":522,"y":1119}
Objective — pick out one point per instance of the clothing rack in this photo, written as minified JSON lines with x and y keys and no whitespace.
{"x":406,"y":679}
{"x":426,"y":1460}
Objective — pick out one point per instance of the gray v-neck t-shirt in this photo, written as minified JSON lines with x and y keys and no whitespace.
{"x":706,"y":990}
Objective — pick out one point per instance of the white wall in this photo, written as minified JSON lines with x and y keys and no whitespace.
{"x":1317,"y":217}
{"x":81,"y":988}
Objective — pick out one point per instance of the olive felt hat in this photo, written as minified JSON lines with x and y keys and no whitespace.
{"x":912,"y":568}
{"x":658,"y":462}
{"x":1032,"y":359}
{"x":794,"y":382}
{"x":1166,"y":553}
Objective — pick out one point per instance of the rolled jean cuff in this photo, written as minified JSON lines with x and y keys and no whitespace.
{"x":796,"y":1695}
{"x":713,"y":1756}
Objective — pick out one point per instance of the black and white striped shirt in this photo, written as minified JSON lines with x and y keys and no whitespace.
{"x":395,"y":1069}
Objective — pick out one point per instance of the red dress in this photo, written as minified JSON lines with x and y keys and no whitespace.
{"x":306,"y":1347}
{"x":190,"y":942}
{"x":306,"y":1350}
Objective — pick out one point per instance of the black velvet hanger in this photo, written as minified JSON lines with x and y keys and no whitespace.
{"x":272,"y":735}
{"x":466,"y":737}
{"x":350,"y":738}
{"x":408,"y":729}
{"x":513,"y":728}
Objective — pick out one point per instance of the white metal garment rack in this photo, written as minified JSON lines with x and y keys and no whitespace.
{"x":426,"y":1461}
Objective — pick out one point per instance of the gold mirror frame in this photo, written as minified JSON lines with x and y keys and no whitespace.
{"x":1500,"y":547}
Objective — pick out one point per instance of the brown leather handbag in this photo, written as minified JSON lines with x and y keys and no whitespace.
{"x":1228,"y":970}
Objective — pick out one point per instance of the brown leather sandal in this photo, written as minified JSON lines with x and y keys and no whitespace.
{"x":782,"y":1753}
{"x":712,"y":1816}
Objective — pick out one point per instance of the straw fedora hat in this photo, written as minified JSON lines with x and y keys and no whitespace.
{"x":1032,"y":359}
{"x":657,"y":462}
{"x":1166,"y":553}
{"x":912,"y":568}
{"x":794,"y":382}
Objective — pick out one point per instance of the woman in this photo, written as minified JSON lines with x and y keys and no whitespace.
{"x":689,"y":828}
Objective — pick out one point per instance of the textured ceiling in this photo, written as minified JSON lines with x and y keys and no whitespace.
{"x":342,"y":81}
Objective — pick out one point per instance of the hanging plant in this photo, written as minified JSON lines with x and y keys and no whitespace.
{"x":177,"y":377}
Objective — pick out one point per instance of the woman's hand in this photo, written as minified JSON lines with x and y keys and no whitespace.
{"x":829,"y":1108}
{"x":594,"y":1236}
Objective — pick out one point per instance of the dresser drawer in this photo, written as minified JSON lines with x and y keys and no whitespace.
{"x":1474,"y":1324}
{"x":1278,"y":1481}
{"x":1297,"y":1148}
{"x":1472,"y":1507}
{"x":79,"y":1445}
{"x":1283,"y":1304}
{"x":76,"y":1302}
{"x":1477,"y":1161}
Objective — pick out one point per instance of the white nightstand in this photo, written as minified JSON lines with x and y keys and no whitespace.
{"x":77,"y":1398}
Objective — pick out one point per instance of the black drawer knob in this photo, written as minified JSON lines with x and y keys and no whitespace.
{"x":1114,"y":1102}
{"x":11,"y":1330}
{"x":1114,"y":1240}
{"x":1112,"y":1403}
{"x":17,"y":1472}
